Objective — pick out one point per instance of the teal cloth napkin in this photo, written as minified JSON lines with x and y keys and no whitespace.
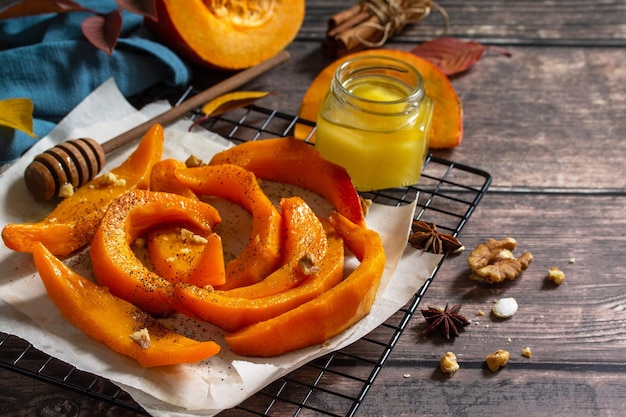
{"x":47,"y":59}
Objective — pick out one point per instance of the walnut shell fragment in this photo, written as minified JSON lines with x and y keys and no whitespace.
{"x":493,"y":261}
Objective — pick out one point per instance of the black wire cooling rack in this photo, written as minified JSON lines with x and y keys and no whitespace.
{"x":447,"y":195}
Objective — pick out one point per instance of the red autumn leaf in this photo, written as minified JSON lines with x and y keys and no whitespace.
{"x":146,"y":8}
{"x":452,"y":55}
{"x":34,"y":7}
{"x":102,"y":31}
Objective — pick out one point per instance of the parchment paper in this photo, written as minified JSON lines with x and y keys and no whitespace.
{"x":208,"y":387}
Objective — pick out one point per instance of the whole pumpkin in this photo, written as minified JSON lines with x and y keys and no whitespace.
{"x":227,"y":34}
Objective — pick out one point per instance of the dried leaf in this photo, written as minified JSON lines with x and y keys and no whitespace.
{"x":17,"y":113}
{"x":35,"y":7}
{"x":228,"y":102}
{"x":146,"y":8}
{"x":452,"y":55}
{"x":102,"y":31}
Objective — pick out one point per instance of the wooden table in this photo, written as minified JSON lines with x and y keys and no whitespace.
{"x":548,"y":124}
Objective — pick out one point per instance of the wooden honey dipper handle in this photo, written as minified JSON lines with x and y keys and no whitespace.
{"x":77,"y":161}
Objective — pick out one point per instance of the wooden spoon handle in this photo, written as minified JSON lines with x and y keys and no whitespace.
{"x":196,"y":101}
{"x":77,"y":162}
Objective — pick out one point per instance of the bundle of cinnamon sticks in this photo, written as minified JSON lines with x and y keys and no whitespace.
{"x":370,"y":23}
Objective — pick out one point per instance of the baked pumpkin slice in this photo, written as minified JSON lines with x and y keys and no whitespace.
{"x":232,"y":313}
{"x":295,"y":162}
{"x":304,"y":245}
{"x":328,"y":314}
{"x":72,"y":224}
{"x":120,"y":325}
{"x":130,"y":216}
{"x":262,"y":253}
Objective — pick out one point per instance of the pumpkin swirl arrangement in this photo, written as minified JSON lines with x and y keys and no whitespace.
{"x":286,"y":289}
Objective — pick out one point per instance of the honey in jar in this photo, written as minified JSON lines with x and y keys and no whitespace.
{"x":374,"y":121}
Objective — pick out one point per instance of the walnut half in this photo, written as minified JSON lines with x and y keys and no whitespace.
{"x":493,"y":261}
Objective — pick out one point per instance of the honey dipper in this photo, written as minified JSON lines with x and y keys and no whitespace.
{"x":78,"y":161}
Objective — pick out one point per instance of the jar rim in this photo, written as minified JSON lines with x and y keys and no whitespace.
{"x":416,"y":93}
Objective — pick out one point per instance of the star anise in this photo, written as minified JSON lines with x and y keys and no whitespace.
{"x":426,"y":237}
{"x":448,"y":321}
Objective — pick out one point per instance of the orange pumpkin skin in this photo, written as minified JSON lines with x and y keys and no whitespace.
{"x":328,"y":314}
{"x":72,"y":224}
{"x":262,"y":254}
{"x":294,"y":162}
{"x":112,"y":259}
{"x":111,"y":320}
{"x":447,"y":124}
{"x":217,"y":35}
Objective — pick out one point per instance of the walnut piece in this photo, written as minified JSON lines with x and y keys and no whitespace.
{"x":142,"y":338}
{"x":308,"y":264}
{"x":493,"y":261}
{"x":194,"y":161}
{"x":110,"y":179}
{"x":448,"y":364}
{"x":188,"y":236}
{"x":556,"y":275}
{"x":497,"y":359}
{"x":66,"y":190}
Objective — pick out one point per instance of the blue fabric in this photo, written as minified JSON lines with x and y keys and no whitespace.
{"x":47,"y":59}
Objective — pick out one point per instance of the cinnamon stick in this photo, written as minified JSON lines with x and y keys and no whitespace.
{"x":370,"y":23}
{"x":343,"y":16}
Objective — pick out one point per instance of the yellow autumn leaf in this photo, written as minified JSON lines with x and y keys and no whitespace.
{"x":231,"y":101}
{"x":17,"y":113}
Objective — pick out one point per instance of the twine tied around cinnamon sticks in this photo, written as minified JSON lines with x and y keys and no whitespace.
{"x":370,"y":23}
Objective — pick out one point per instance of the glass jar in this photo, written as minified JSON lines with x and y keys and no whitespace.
{"x":374,"y":121}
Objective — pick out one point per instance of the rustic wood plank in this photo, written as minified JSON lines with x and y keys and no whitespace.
{"x":525,"y":22}
{"x":548,"y":124}
{"x":576,"y":331}
{"x":526,"y":118}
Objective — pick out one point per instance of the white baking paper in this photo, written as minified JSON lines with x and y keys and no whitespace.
{"x":208,"y":387}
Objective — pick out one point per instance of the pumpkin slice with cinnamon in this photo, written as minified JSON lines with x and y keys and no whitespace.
{"x":72,"y":224}
{"x":113,"y":261}
{"x":328,"y":314}
{"x":294,"y":162}
{"x":117,"y":323}
{"x":233,"y":313}
{"x":262,"y":253}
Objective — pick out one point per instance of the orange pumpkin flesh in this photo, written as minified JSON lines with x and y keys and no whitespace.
{"x":447,"y":121}
{"x":179,"y":256}
{"x":173,"y":255}
{"x":225,"y":35}
{"x":297,"y":163}
{"x":72,"y":224}
{"x":163,"y":178}
{"x":328,"y":314}
{"x":232,"y":313}
{"x":111,"y":320}
{"x":262,"y":254}
{"x":113,"y":262}
{"x":304,"y":235}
